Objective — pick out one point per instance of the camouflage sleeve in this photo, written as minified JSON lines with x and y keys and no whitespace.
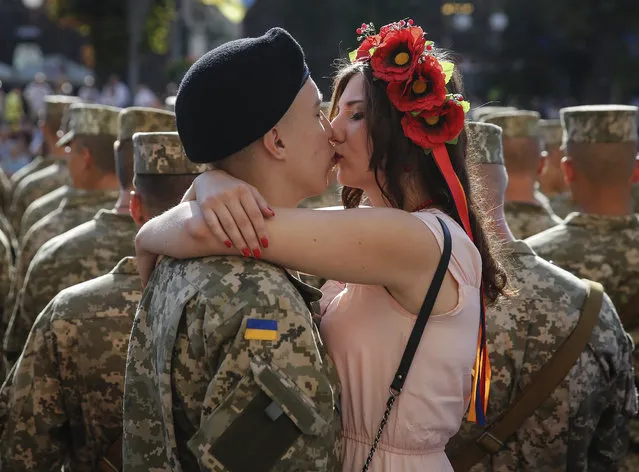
{"x":610,"y":439}
{"x":32,"y":438}
{"x":284,"y":381}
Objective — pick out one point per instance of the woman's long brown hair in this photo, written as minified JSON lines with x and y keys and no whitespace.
{"x":393,"y":153}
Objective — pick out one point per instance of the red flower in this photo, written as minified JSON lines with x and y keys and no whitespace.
{"x":397,"y":54}
{"x":427,"y":89}
{"x":432,"y":128}
{"x":363,"y":53}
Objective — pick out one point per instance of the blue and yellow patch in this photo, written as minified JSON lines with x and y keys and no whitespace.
{"x":261,"y":330}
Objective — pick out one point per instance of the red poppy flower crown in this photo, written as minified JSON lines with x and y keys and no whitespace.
{"x":400,"y":56}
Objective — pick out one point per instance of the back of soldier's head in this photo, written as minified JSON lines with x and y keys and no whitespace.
{"x":56,"y":108}
{"x":94,"y":127}
{"x":600,"y":141}
{"x":136,"y":120}
{"x":163,"y":173}
{"x":520,"y":140}
{"x":486,"y":158}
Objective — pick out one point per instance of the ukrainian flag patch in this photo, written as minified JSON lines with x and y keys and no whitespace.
{"x":261,"y":330}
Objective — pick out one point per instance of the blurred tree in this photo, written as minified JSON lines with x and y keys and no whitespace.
{"x":104,"y":23}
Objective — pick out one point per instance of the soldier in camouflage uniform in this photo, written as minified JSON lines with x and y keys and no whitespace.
{"x":5,"y":190}
{"x":64,"y":399}
{"x":226,"y":370}
{"x":53,"y":105}
{"x":42,"y":207}
{"x":93,"y":248}
{"x":527,"y":211}
{"x":551,"y":178}
{"x":94,"y":128}
{"x":6,"y":274}
{"x":583,"y":424}
{"x":602,"y":243}
{"x":56,"y":174}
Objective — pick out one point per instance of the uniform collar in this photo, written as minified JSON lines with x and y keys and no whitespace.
{"x":602,"y":221}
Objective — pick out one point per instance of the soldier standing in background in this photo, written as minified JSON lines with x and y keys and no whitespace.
{"x":226,"y":369}
{"x":64,"y":399}
{"x":583,"y":424}
{"x":54,"y":175}
{"x":602,"y":242}
{"x":94,"y":128}
{"x":93,"y":248}
{"x":527,"y":212}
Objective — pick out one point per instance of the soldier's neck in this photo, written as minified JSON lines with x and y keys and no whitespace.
{"x":101,"y":183}
{"x":520,"y":189}
{"x":124,"y":200}
{"x":609,"y":203}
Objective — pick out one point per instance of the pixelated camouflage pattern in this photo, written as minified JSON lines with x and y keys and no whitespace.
{"x":635,"y":198}
{"x":74,"y":210}
{"x":141,"y":119}
{"x":484,"y":143}
{"x":597,"y":247}
{"x":187,"y":348}
{"x":35,"y":186}
{"x":56,"y":106}
{"x":331,"y":197}
{"x":80,"y":254}
{"x":563,"y":204}
{"x":38,"y":163}
{"x":89,"y":119}
{"x":162,"y":153}
{"x":583,"y":425}
{"x":599,"y":124}
{"x":42,"y":207}
{"x":526,"y":218}
{"x":516,"y":124}
{"x":551,"y":133}
{"x":65,"y":395}
{"x":479,"y":113}
{"x":169,"y":103}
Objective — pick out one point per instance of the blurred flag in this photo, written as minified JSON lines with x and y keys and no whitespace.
{"x":234,"y":10}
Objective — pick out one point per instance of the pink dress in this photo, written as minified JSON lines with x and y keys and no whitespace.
{"x":366,"y":330}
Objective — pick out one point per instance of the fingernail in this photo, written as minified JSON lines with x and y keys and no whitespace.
{"x":246,"y":252}
{"x":264,"y":243}
{"x":228,"y":243}
{"x":257,"y":253}
{"x":271,"y":210}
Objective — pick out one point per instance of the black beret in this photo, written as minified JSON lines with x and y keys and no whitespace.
{"x":237,"y":92}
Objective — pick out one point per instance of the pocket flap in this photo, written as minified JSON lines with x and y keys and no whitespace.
{"x":284,"y":391}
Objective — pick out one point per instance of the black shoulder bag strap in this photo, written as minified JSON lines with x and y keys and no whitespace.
{"x":415,"y":337}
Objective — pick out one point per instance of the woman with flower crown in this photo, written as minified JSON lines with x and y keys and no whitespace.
{"x":398,"y":122}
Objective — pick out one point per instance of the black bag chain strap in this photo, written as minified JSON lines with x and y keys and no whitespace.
{"x":415,"y":337}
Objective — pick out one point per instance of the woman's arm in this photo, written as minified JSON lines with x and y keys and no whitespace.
{"x":377,"y":246}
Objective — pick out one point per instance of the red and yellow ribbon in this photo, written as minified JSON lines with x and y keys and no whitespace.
{"x":481,"y":370}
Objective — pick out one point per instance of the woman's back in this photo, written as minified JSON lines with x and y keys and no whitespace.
{"x":366,"y":331}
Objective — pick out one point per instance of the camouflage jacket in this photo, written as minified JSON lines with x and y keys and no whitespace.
{"x":73,"y":211}
{"x":82,"y":253}
{"x":42,"y":207}
{"x":600,"y":248}
{"x":64,"y":396}
{"x":38,"y":163}
{"x":201,"y":387}
{"x":583,"y":425}
{"x":35,"y":186}
{"x":526,"y":219}
{"x":5,"y":190}
{"x":563,"y":204}
{"x":635,"y":198}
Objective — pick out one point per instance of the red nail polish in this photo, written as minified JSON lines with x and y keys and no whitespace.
{"x":246,"y":252}
{"x":271,"y":210}
{"x":228,"y":243}
{"x":257,"y":253}
{"x":264,"y":243}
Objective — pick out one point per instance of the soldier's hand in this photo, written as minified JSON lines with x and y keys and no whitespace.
{"x":233,"y":210}
{"x":146,"y":263}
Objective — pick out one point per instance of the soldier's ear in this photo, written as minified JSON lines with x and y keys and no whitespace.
{"x":543,"y":161}
{"x":568,"y":170}
{"x":136,"y":210}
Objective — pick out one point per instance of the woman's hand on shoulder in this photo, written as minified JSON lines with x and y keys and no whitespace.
{"x":233,"y":210}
